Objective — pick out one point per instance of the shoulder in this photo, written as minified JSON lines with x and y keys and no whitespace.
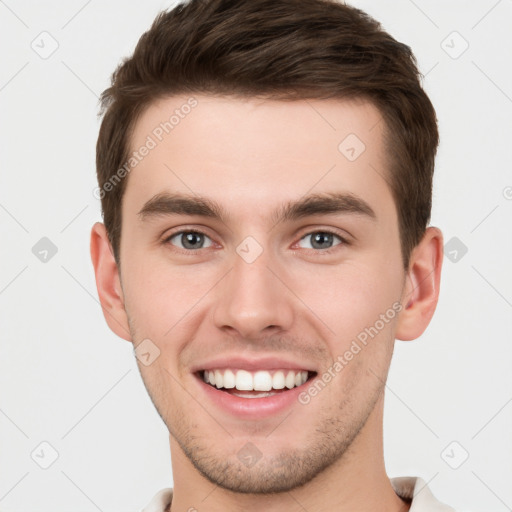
{"x":415,"y":488}
{"x":159,"y":502}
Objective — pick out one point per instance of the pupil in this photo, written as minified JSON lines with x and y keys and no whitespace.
{"x":190,"y":238}
{"x":321,"y":239}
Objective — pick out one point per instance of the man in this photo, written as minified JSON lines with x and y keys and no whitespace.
{"x":265,"y":170}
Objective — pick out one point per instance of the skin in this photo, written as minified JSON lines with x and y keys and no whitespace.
{"x":294,"y":301}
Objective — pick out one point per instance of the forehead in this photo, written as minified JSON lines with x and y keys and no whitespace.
{"x":252,"y":152}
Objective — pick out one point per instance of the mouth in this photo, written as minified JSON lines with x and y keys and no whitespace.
{"x":257,"y":384}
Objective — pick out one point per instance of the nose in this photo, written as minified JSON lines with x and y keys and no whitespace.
{"x":253,"y":299}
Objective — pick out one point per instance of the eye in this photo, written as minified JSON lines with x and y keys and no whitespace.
{"x":189,"y":240}
{"x":322,"y":240}
{"x":193,"y":240}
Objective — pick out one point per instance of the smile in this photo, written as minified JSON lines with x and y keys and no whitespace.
{"x":261,"y":380}
{"x":274,"y":390}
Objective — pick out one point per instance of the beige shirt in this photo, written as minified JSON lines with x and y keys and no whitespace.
{"x":405,"y":486}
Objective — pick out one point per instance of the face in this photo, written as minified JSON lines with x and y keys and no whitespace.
{"x":260,"y":242}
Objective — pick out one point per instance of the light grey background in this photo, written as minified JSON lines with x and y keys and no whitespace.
{"x":66,"y":380}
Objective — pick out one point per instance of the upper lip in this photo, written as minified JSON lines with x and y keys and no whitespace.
{"x":243,"y":363}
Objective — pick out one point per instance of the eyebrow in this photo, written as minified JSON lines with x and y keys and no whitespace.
{"x":327,"y":203}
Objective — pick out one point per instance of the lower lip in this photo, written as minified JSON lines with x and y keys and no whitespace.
{"x":252,"y":408}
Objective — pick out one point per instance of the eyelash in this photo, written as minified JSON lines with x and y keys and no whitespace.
{"x":343,"y":240}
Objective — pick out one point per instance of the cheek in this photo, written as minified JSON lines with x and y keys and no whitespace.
{"x":157,"y":296}
{"x":165,"y":305}
{"x":351,"y":297}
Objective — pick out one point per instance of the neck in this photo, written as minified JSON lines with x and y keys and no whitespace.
{"x":357,"y":482}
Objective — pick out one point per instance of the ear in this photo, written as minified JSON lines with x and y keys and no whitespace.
{"x":108,"y":282}
{"x":421,"y":290}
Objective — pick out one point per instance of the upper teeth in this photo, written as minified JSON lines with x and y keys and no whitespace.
{"x":260,"y":380}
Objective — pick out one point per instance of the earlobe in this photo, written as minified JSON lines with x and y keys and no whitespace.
{"x":421,"y":291}
{"x":108,"y":282}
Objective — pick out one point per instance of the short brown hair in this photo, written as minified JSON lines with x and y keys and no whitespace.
{"x":276,"y":49}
